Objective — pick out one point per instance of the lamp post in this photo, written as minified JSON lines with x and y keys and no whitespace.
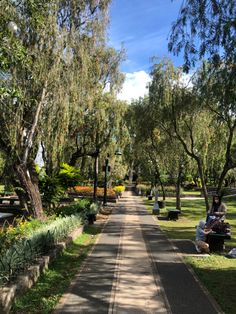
{"x":106,"y":170}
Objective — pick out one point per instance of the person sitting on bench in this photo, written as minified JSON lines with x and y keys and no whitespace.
{"x":218,"y":209}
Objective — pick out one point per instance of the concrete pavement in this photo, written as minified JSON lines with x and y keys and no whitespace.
{"x":134,"y":268}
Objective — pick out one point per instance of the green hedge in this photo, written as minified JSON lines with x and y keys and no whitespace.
{"x":22,"y":254}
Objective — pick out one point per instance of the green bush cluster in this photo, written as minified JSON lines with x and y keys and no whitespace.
{"x":22,"y":229}
{"x":144,"y":189}
{"x":82,"y":207}
{"x":76,"y":208}
{"x":55,"y":187}
{"x":23,"y":253}
{"x":169,"y":189}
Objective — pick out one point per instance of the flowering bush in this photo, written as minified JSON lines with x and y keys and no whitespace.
{"x":119,"y":189}
{"x":88,"y":191}
{"x":22,"y":228}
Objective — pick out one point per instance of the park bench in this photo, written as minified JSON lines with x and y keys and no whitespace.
{"x":9,"y":200}
{"x":173,"y":214}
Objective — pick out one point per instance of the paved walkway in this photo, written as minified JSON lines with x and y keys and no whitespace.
{"x":135,"y":269}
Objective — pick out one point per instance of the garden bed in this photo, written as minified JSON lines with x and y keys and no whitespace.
{"x":26,"y":280}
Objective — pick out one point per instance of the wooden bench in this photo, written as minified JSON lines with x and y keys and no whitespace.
{"x":173,"y":214}
{"x":10,"y":200}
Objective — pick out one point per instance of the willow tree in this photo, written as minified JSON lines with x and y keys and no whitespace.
{"x":36,"y":50}
{"x":86,"y":44}
{"x":158,"y":154}
{"x":217,"y":87}
{"x":98,"y":102}
{"x":181,"y":114}
{"x":207,"y":29}
{"x":100,"y":132}
{"x":96,"y":115}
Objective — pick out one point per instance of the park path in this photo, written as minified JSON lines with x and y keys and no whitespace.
{"x":134,"y":269}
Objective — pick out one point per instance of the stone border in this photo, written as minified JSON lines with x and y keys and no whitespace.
{"x":27,"y":279}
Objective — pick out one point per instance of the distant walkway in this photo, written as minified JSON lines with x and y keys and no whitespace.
{"x":134,"y":269}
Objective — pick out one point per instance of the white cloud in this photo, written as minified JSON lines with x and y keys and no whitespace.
{"x":186,"y":80}
{"x":134,"y":86}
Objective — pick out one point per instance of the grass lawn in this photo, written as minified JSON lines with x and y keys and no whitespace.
{"x":217,"y":272}
{"x":43,"y":297}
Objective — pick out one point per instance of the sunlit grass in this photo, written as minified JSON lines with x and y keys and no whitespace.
{"x":192,"y":211}
{"x":216,"y":272}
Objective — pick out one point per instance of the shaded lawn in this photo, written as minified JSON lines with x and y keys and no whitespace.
{"x":218,"y":274}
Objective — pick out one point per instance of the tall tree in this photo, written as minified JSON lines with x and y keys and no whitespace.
{"x":217,"y":87}
{"x":181,"y":114}
{"x":37,"y":46}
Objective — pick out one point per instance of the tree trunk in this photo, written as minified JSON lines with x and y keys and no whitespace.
{"x":74,"y":158}
{"x":131,"y":172}
{"x":82,"y":166}
{"x":158,"y":179}
{"x":229,"y":164}
{"x":162,"y":190}
{"x":178,"y":189}
{"x":203,"y":182}
{"x":221,"y":179}
{"x":95,"y":185}
{"x":23,"y":198}
{"x":29,"y":183}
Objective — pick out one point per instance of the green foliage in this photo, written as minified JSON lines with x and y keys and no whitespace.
{"x":45,"y":294}
{"x":51,"y":189}
{"x":193,"y":31}
{"x":22,"y":229}
{"x":68,"y":176}
{"x":84,"y":207}
{"x":169,"y":190}
{"x":19,"y":256}
{"x":94,"y":208}
{"x":143,"y":188}
{"x":73,"y":209}
{"x":54,"y":187}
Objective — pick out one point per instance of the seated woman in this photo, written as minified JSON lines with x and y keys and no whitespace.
{"x":218,"y":208}
{"x":201,"y":245}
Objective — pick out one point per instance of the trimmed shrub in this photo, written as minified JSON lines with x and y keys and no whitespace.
{"x":23,"y":253}
{"x":76,"y":208}
{"x":142,"y":188}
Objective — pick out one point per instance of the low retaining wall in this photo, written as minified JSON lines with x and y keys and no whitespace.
{"x":26,"y":280}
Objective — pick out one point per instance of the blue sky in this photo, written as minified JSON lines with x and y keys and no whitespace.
{"x":142,"y":26}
